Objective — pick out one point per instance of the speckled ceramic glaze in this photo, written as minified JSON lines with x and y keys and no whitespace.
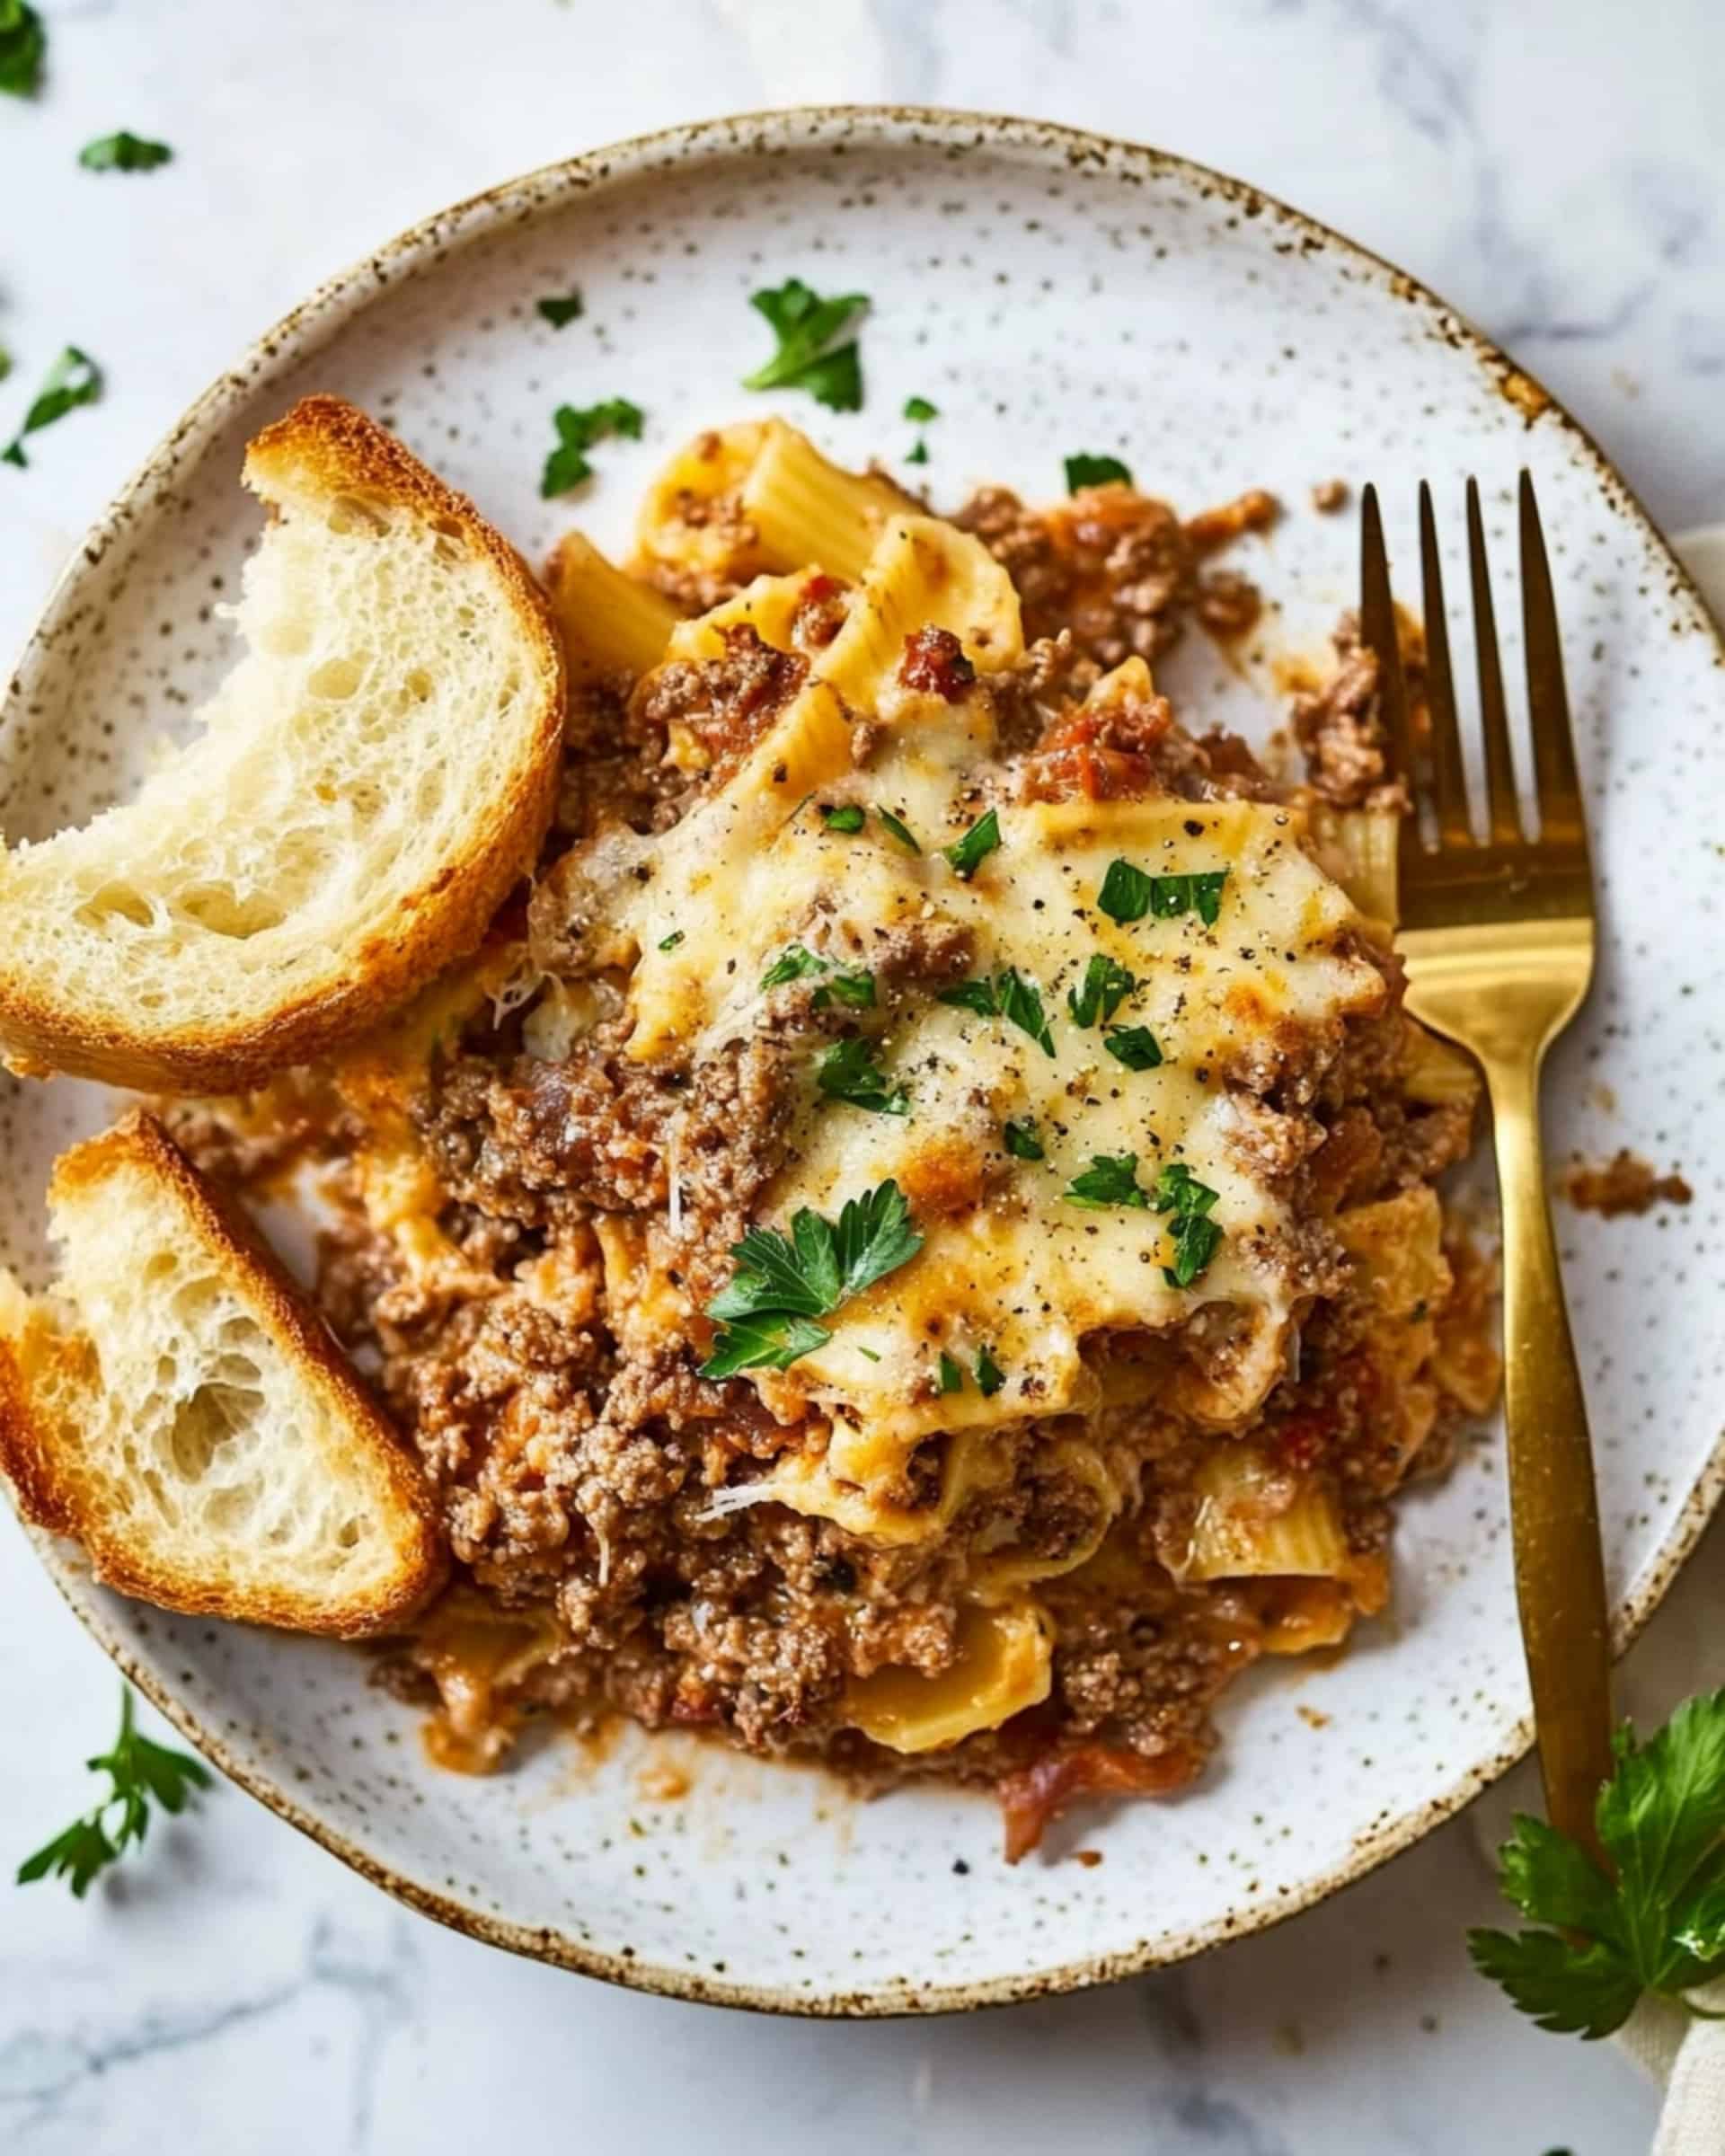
{"x":1050,"y":292}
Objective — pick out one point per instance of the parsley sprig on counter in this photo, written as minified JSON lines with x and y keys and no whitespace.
{"x":810,"y":355}
{"x":784,"y":1283}
{"x":73,"y":379}
{"x":1659,"y":1924}
{"x":139,"y":1773}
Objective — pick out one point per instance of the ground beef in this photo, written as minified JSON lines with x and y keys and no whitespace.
{"x":1112,"y":567}
{"x":1330,"y":495}
{"x":1339,"y":729}
{"x":934,"y":665}
{"x":1228,"y":604}
{"x":726,"y":703}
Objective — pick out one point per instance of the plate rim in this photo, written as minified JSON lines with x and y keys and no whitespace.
{"x":297,"y":335}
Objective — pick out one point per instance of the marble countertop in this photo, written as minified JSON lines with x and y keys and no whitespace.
{"x":1555,"y":168}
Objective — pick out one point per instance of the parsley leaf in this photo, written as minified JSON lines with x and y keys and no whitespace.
{"x":847,"y":1072}
{"x":920,"y":410}
{"x":899,"y":829}
{"x":23,"y":44}
{"x":577,"y":431}
{"x":1127,"y":894}
{"x":973,"y":849}
{"x":810,"y":356}
{"x":671,"y":941}
{"x":139,"y":1771}
{"x":1133,"y":1045}
{"x":971,"y":995}
{"x":951,"y":1376}
{"x":1658,"y":1925}
{"x":73,"y":379}
{"x":850,"y":986}
{"x":990,"y":1376}
{"x":1197,"y":1237}
{"x":1020,"y":1000}
{"x":917,"y":454}
{"x":764,"y":1343}
{"x":1105,"y":986}
{"x":794,"y":963}
{"x":782,"y":1283}
{"x":559,"y":312}
{"x":1005,"y":996}
{"x":1021,"y":1142}
{"x":847,"y":816}
{"x":1110,"y":1180}
{"x":123,"y":153}
{"x":1086,"y":471}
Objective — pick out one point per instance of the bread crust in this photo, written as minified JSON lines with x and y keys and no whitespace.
{"x":330,"y":446}
{"x":53,"y":1494}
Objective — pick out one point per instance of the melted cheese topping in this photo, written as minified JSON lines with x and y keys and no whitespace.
{"x":1009,"y":1263}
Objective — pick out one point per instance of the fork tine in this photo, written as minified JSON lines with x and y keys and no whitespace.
{"x":1449,"y":778}
{"x":1499,"y":769}
{"x":1561,"y":813}
{"x":1377,"y":629}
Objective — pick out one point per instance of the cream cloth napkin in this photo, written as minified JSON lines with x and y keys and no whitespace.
{"x":1688,"y":2055}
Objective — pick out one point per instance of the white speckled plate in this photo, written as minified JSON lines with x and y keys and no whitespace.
{"x":1050,"y":292}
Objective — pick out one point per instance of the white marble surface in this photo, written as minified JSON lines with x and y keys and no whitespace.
{"x":1555,"y":168}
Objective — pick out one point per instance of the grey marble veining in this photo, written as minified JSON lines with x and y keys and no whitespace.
{"x":1557,"y":169}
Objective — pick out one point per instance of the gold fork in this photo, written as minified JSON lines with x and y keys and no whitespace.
{"x":1498,"y":939}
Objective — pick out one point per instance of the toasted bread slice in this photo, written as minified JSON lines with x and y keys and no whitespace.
{"x":178,"y":1408}
{"x":374,"y":774}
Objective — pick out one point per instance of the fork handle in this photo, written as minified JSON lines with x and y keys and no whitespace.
{"x":1555,"y":1513}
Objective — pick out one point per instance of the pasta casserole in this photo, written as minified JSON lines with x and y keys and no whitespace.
{"x":917,"y":1244}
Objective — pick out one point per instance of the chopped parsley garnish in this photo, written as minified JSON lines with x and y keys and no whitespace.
{"x":920,"y":410}
{"x":847,"y":1072}
{"x":1021,"y":1142}
{"x":809,"y":355}
{"x":558,"y":312}
{"x":73,"y":379}
{"x":782,"y":1283}
{"x":1133,"y":1045}
{"x":850,"y":985}
{"x":577,"y":431}
{"x":867,"y":1353}
{"x":1197,"y":1238}
{"x":1659,"y":1924}
{"x":847,"y":816}
{"x":1020,"y":1000}
{"x":671,"y":941}
{"x":1086,"y":471}
{"x":990,"y":1376}
{"x":951,"y":1376}
{"x":974,"y":848}
{"x":917,"y":454}
{"x":22,"y":44}
{"x":1104,"y":988}
{"x":794,"y":963}
{"x":1128,"y":893}
{"x":138,"y":1771}
{"x":1007,"y":996}
{"x":1110,"y":1180}
{"x":123,"y":153}
{"x":899,"y":829}
{"x":971,"y":995}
